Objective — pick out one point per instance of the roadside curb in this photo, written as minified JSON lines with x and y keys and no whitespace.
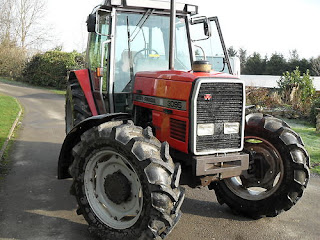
{"x":14,"y":125}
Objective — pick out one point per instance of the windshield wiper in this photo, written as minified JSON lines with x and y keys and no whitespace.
{"x":141,"y":22}
{"x":139,"y":26}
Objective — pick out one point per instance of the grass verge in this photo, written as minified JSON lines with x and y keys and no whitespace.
{"x":311,"y":140}
{"x":9,"y":109}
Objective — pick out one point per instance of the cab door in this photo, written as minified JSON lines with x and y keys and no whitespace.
{"x":98,"y":55}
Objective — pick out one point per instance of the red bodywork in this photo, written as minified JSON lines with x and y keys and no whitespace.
{"x":84,"y":80}
{"x":171,"y":125}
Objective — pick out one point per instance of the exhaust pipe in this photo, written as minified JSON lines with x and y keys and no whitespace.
{"x":172,"y":34}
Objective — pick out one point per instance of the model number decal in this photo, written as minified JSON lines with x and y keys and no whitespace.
{"x":163,"y":102}
{"x":174,"y":104}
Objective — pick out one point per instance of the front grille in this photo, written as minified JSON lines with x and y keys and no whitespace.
{"x":225,"y":104}
{"x":178,"y":129}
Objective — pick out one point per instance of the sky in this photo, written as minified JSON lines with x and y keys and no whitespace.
{"x":266,"y":27}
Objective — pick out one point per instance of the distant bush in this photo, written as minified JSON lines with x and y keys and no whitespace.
{"x":297,"y":91}
{"x":294,"y":96}
{"x":12,"y":59}
{"x":262,"y":97}
{"x":50,"y":69}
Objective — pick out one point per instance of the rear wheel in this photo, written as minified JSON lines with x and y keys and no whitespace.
{"x":278,"y":171}
{"x":125,"y":182}
{"x":76,"y":108}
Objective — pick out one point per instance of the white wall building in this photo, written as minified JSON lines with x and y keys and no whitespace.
{"x":268,"y":81}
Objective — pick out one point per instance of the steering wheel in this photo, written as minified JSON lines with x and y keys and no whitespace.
{"x":145,"y":50}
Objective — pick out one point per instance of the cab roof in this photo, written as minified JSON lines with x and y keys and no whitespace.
{"x":152,"y":4}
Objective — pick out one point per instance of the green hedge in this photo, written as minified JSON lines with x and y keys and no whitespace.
{"x":50,"y":69}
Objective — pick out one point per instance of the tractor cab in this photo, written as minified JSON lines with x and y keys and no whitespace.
{"x":127,"y":37}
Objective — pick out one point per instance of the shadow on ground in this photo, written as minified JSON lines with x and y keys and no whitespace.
{"x":34,"y":204}
{"x":210,"y":209}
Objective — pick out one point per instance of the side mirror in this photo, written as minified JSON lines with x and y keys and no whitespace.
{"x":207,"y":27}
{"x":91,"y":23}
{"x":202,"y":22}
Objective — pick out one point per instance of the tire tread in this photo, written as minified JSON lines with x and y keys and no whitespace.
{"x":160,"y":173}
{"x":297,"y":175}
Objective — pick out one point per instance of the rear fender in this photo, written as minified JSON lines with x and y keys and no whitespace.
{"x":83,"y":78}
{"x":73,"y":137}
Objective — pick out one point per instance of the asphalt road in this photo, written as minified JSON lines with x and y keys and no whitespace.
{"x":35,"y":205}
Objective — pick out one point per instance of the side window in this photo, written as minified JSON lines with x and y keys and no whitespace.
{"x":94,"y":51}
{"x":97,"y":50}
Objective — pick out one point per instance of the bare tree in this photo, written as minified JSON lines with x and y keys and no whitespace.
{"x":28,"y":26}
{"x":294,"y":56}
{"x":242,"y":54}
{"x":21,"y":22}
{"x":6,"y":20}
{"x":232,"y":52}
{"x":20,"y":31}
{"x":315,"y":64}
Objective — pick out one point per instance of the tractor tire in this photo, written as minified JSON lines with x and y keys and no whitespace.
{"x":125,"y":182}
{"x":76,"y":108}
{"x":278,"y":170}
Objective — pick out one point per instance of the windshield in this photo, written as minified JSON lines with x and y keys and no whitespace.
{"x":142,"y":44}
{"x":209,"y":48}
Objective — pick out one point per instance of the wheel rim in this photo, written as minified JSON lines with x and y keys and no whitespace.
{"x":265,"y":172}
{"x":127,"y":210}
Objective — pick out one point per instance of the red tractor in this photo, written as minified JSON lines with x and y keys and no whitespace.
{"x":158,"y":106}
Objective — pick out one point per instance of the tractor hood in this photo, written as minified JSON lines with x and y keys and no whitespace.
{"x":183,"y":76}
{"x":171,"y":84}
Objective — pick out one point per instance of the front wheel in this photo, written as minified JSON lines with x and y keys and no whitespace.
{"x":125,"y":182}
{"x":278,"y":171}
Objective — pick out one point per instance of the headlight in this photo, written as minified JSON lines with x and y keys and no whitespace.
{"x":205,"y":129}
{"x":231,"y":128}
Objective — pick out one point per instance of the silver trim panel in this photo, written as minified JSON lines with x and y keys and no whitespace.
{"x":194,"y":116}
{"x":226,"y":166}
{"x":163,"y":102}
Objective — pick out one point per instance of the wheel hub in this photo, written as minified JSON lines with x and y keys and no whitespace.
{"x":259,"y":170}
{"x":117,"y":187}
{"x":265,"y":172}
{"x":113,"y":189}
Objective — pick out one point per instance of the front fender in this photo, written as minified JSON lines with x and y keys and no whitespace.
{"x":73,"y":137}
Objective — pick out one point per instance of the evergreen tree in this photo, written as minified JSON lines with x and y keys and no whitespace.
{"x":276,"y":65}
{"x":232,"y":52}
{"x":255,"y":65}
